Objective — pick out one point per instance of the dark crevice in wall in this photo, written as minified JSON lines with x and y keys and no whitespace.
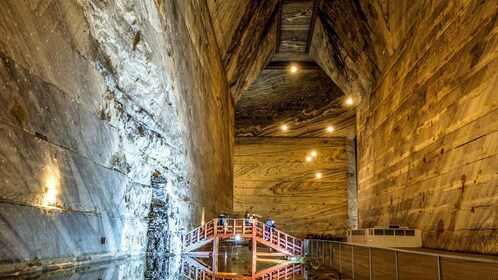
{"x":160,"y":219}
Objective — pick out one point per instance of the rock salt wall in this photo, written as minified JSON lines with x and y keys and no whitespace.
{"x":427,"y":135}
{"x":99,"y":99}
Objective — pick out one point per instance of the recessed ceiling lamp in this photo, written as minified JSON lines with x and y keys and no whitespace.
{"x":293,"y":69}
{"x":284,"y":127}
{"x":313,"y":153}
{"x":330,"y":129}
{"x":309,"y":159}
{"x":349,"y":101}
{"x":318,"y":175}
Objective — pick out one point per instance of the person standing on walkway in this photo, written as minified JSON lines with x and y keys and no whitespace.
{"x":248,"y":217}
{"x":268,"y":224}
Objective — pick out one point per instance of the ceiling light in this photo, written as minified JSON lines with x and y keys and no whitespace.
{"x":313,"y":153}
{"x":293,"y":69}
{"x":349,"y":101}
{"x":284,"y":127}
{"x":309,"y":159}
{"x":330,"y":129}
{"x":318,"y":175}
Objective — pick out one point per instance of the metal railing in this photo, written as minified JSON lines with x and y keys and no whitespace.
{"x":357,"y":261}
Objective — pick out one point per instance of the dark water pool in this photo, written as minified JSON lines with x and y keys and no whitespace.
{"x":231,"y":263}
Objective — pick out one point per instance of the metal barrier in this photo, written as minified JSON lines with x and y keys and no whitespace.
{"x":357,"y":261}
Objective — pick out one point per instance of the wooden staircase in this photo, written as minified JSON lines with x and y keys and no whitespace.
{"x":242,"y":228}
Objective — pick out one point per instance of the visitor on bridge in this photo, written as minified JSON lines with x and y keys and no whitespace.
{"x":248,"y":217}
{"x":221,"y":220}
{"x":268,"y":228}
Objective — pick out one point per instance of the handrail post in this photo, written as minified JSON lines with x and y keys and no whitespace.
{"x":370,"y":261}
{"x":254,"y":248}
{"x":352,"y":259}
{"x":302,"y":248}
{"x":396,"y":264}
{"x":215,"y":254}
{"x":439,"y":269}
{"x":323,"y":252}
{"x":340,"y":258}
{"x":312,"y":249}
{"x":330,"y":255}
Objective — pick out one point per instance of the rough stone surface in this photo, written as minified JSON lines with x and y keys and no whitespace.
{"x":344,"y":46}
{"x":246,"y":35}
{"x":98,"y":98}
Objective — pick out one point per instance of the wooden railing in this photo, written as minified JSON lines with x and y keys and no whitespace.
{"x":282,"y":240}
{"x":244,"y":228}
{"x":234,"y":227}
{"x":199,"y":235}
{"x":194,"y":270}
{"x":281,"y":271}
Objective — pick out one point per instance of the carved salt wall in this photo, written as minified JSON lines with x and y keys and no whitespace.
{"x":98,"y":98}
{"x":428,"y":131}
{"x":352,"y":183}
{"x":246,"y":34}
{"x":273,"y":179}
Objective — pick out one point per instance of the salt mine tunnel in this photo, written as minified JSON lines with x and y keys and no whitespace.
{"x":249,"y":139}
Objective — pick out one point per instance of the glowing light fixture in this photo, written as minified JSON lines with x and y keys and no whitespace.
{"x":309,"y":158}
{"x":284,"y":127}
{"x":50,"y":196}
{"x":330,"y":129}
{"x":349,"y":101}
{"x":318,"y":175}
{"x":293,"y":69}
{"x":313,"y":153}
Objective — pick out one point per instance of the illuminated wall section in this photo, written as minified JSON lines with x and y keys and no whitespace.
{"x":98,"y":101}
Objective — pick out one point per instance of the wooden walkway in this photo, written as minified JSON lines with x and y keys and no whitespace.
{"x":259,"y":232}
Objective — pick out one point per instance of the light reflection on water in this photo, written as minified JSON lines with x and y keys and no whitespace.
{"x":233,"y":263}
{"x":236,"y":262}
{"x":240,"y":268}
{"x":230,"y":267}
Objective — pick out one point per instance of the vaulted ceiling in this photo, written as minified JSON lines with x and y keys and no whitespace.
{"x":339,"y":48}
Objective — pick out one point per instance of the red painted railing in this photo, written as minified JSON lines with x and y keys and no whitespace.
{"x":234,"y":227}
{"x":245,"y":228}
{"x":278,"y":238}
{"x":194,"y":270}
{"x":199,"y":236}
{"x":281,"y":271}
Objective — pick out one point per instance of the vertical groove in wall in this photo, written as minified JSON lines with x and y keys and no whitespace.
{"x":352,"y":183}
